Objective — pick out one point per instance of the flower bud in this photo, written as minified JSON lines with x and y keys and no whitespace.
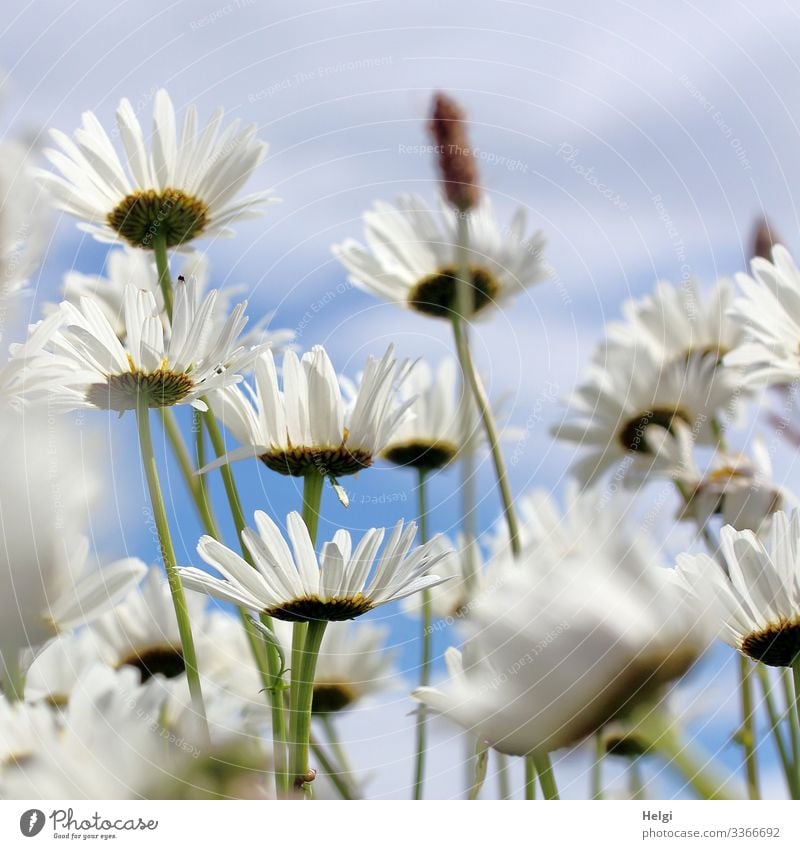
{"x":456,"y":162}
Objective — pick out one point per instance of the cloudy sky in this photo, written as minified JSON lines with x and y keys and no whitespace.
{"x":642,"y":138}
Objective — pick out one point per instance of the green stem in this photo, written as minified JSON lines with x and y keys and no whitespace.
{"x":336,"y":775}
{"x":796,"y":717}
{"x":469,"y":494}
{"x":200,"y":454}
{"x":162,"y":265}
{"x":503,"y":782}
{"x":777,"y":734}
{"x":481,"y":763}
{"x":338,"y":750}
{"x":199,"y":441}
{"x":312,"y":499}
{"x":232,"y":493}
{"x":597,"y":766}
{"x":792,"y":716}
{"x":303,"y":683}
{"x":193,"y":481}
{"x":547,"y":779}
{"x":530,"y":778}
{"x":748,"y":734}
{"x":473,"y":381}
{"x":306,"y":641}
{"x":170,"y":563}
{"x":425,"y":662}
{"x":14,"y":679}
{"x":635,"y":781}
{"x":659,"y":736}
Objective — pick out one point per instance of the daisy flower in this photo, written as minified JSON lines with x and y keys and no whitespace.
{"x":353,"y":663}
{"x":769,"y":313}
{"x":557,"y":650}
{"x":297,"y":585}
{"x":105,"y":744}
{"x":629,"y":411}
{"x":429,"y":439}
{"x":128,"y":267}
{"x":308,"y":422}
{"x":410,"y":256}
{"x":676,"y":322}
{"x":26,"y":731}
{"x":142,"y":631}
{"x":88,"y":366}
{"x":757,"y":603}
{"x":183,"y":189}
{"x":56,"y":669}
{"x":737,"y":487}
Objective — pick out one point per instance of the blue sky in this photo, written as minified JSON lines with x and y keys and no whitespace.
{"x":643,"y":139}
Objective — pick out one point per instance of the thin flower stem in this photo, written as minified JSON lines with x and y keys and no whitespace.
{"x":635,"y":781}
{"x":481,"y":761}
{"x":306,"y":641}
{"x":469,"y":494}
{"x":796,"y":717}
{"x":162,"y":266}
{"x":530,"y":778}
{"x":547,"y":779}
{"x":338,"y":750}
{"x":597,"y":766}
{"x":662,"y":739}
{"x":425,"y":661}
{"x":193,"y":481}
{"x":199,"y":441}
{"x":503,"y":782}
{"x":777,"y":734}
{"x":199,"y":452}
{"x":473,"y":380}
{"x":300,"y":727}
{"x":787,"y":679}
{"x":336,"y":776}
{"x":312,"y":499}
{"x":170,"y":563}
{"x":748,"y":734}
{"x":13,"y":678}
{"x":231,"y":491}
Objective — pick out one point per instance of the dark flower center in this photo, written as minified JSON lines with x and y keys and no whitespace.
{"x":715,"y":352}
{"x":328,"y":697}
{"x":436,"y":294}
{"x":158,"y":660}
{"x":778,"y":645}
{"x":328,"y":461}
{"x":426,"y":456}
{"x":169,"y":214}
{"x":162,"y":388}
{"x":315,"y":609}
{"x":632,"y":434}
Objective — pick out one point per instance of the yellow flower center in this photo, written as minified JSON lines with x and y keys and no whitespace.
{"x":169,"y":213}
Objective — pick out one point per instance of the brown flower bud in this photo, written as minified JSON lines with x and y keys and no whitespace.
{"x":764,"y":239}
{"x":455,"y":158}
